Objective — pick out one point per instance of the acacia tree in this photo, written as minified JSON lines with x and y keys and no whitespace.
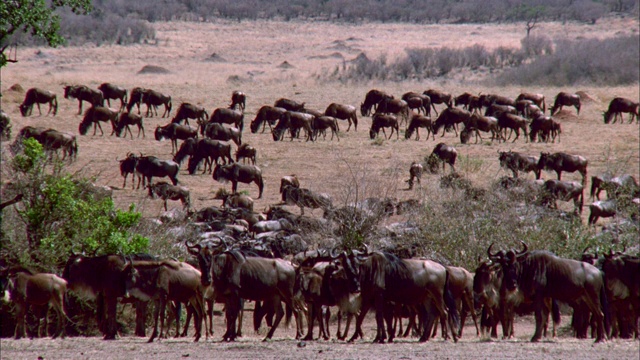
{"x":36,"y":17}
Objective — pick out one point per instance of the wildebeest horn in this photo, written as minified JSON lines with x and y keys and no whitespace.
{"x":191,"y":248}
{"x":333,"y":254}
{"x":585,"y":249}
{"x":525,"y":249}
{"x":491,"y":256}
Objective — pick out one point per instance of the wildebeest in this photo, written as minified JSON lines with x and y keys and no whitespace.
{"x":175,"y":132}
{"x":188,"y":111}
{"x":419,"y":121}
{"x":343,"y":112}
{"x":303,"y":198}
{"x":381,"y":121}
{"x":125,"y":120}
{"x":228,"y":116}
{"x":547,"y":127}
{"x":371,"y":101}
{"x":541,"y":276}
{"x":537,"y":99}
{"x":84,"y":93}
{"x":418,"y":101}
{"x":397,"y":107}
{"x":294,"y":121}
{"x":154,"y":98}
{"x":244,"y":277}
{"x":619,"y":105}
{"x":497,"y":109}
{"x":561,"y":161}
{"x":565,"y":99}
{"x":95,"y":115}
{"x":128,"y":166}
{"x":461,"y":286}
{"x":445,"y":153}
{"x":476,"y":123}
{"x":135,"y":98}
{"x":605,"y":209}
{"x":239,"y":173}
{"x":234,"y":200}
{"x":53,"y":140}
{"x":513,"y":122}
{"x":220,"y":132}
{"x":439,"y":97}
{"x":5,"y":126}
{"x":463,"y":99}
{"x":449,"y":118}
{"x":246,"y":151}
{"x":623,"y":289}
{"x":626,"y":184}
{"x":39,"y":96}
{"x":322,"y":123}
{"x":26,"y":289}
{"x":291,"y":180}
{"x":488,"y":100}
{"x":238,"y":100}
{"x":415,"y":172}
{"x":111,"y":91}
{"x":516,"y":161}
{"x":289,"y":104}
{"x":266,"y":115}
{"x":312,"y":278}
{"x":554,"y":190}
{"x":150,"y":166}
{"x":204,"y":149}
{"x":166,"y":191}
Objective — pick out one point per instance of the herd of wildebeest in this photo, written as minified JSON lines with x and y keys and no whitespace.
{"x":232,"y":265}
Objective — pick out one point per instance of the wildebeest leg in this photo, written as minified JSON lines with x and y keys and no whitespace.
{"x":359,"y":319}
{"x":111,"y":326}
{"x":21,"y":312}
{"x":539,"y":315}
{"x":279,"y":312}
{"x":141,"y":312}
{"x":156,"y":314}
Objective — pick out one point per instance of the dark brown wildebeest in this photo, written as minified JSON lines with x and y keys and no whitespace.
{"x":445,"y":153}
{"x":537,"y":99}
{"x":449,"y":118}
{"x":605,"y":209}
{"x":175,"y":132}
{"x":111,"y":91}
{"x":84,"y":93}
{"x":153,"y":99}
{"x":291,"y":180}
{"x":188,"y":111}
{"x":397,"y":107}
{"x":516,"y":161}
{"x":312,"y":278}
{"x":164,"y":281}
{"x":239,"y":173}
{"x":305,"y":198}
{"x":266,"y":115}
{"x":553,"y":190}
{"x":343,"y":112}
{"x":53,"y":140}
{"x":236,"y":200}
{"x":135,"y":98}
{"x":476,"y":123}
{"x":623,"y":289}
{"x":238,"y":100}
{"x":619,"y":105}
{"x":415,"y":172}
{"x":38,"y":96}
{"x":246,"y":151}
{"x":26,"y":132}
{"x":26,"y":289}
{"x":547,"y":127}
{"x":150,"y":166}
{"x":125,"y":120}
{"x":419,"y":121}
{"x":461,"y":286}
{"x":289,"y":104}
{"x":294,"y":121}
{"x":565,"y":99}
{"x":128,"y":166}
{"x":513,"y":122}
{"x":95,"y":115}
{"x":166,"y":191}
{"x":381,"y":121}
{"x":416,"y":103}
{"x":541,"y":276}
{"x":228,"y":116}
{"x":439,"y":97}
{"x":371,"y":101}
{"x":497,"y":109}
{"x":244,"y":277}
{"x":626,"y":184}
{"x":217,"y":131}
{"x":463,"y":99}
{"x":561,"y":161}
{"x":321,"y":123}
{"x":423,"y":103}
{"x":204,"y":149}
{"x":492,"y":99}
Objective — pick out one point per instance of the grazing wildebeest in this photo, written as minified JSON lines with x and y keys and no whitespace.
{"x":477,"y":123}
{"x":561,"y":161}
{"x":150,"y":166}
{"x":266,"y":115}
{"x":415,"y":172}
{"x":565,"y":99}
{"x":111,"y":91}
{"x":542,"y":276}
{"x":321,"y":123}
{"x":396,"y":107}
{"x":439,"y":97}
{"x":166,"y":191}
{"x":547,"y":127}
{"x":423,"y":102}
{"x":239,"y":173}
{"x":554,"y":190}
{"x":289,"y":104}
{"x":291,"y":180}
{"x":343,"y":112}
{"x":188,"y":111}
{"x":125,"y":120}
{"x":238,"y":100}
{"x":294,"y":121}
{"x":537,"y":99}
{"x":381,"y":121}
{"x":217,"y":131}
{"x":246,"y":151}
{"x":84,"y":93}
{"x":236,"y":200}
{"x":619,"y":105}
{"x":516,"y":161}
{"x":449,"y":118}
{"x":371,"y":101}
{"x":27,"y":132}
{"x":154,"y":98}
{"x":175,"y":132}
{"x":513,"y":122}
{"x":419,"y":121}
{"x":95,"y":115}
{"x":614,"y":185}
{"x":53,"y":140}
{"x":128,"y":166}
{"x":204,"y":149}
{"x":26,"y":289}
{"x":292,"y":195}
{"x":245,"y":277}
{"x":38,"y":96}
{"x":598,"y":209}
{"x":135,"y":98}
{"x":463,"y":99}
{"x":445,"y":153}
{"x":228,"y":116}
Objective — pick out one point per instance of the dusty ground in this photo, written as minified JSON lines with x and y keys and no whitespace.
{"x":248,"y":57}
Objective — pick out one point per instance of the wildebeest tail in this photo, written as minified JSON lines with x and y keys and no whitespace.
{"x":288,"y":314}
{"x":241,"y":125}
{"x":169,"y":107}
{"x":450,"y":302}
{"x":555,"y":312}
{"x":55,"y":105}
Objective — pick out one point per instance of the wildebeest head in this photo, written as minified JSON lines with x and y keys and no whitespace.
{"x":160,"y":133}
{"x":84,"y":126}
{"x":545,"y":161}
{"x":349,"y":264}
{"x":205,"y":253}
{"x":510,"y":266}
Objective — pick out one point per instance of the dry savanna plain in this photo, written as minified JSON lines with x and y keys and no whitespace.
{"x":269,"y":60}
